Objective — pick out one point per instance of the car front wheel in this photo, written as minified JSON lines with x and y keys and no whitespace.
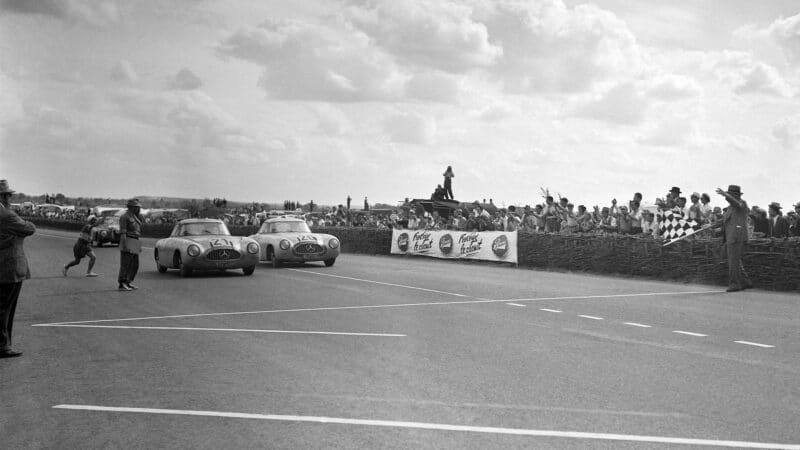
{"x":185,"y":271}
{"x":329,"y":262}
{"x":249,"y":270}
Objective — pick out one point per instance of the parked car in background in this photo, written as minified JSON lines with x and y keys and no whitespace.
{"x":106,"y":231}
{"x":205,"y":244}
{"x":288,"y":239}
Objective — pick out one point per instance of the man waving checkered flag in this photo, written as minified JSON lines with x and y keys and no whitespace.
{"x":673,"y":226}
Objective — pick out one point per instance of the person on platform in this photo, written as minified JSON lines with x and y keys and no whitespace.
{"x":448,"y":182}
{"x":83,"y":248}
{"x":734,"y":226}
{"x":13,"y":266}
{"x":130,"y":230}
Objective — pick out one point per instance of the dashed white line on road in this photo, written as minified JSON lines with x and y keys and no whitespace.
{"x":550,"y":310}
{"x":590,"y":317}
{"x":378,"y":282}
{"x":640,"y":325}
{"x":236,"y":330}
{"x":515,"y":304}
{"x":437,"y":427}
{"x":689,"y":333}
{"x":755,"y":344}
{"x":337,"y":308}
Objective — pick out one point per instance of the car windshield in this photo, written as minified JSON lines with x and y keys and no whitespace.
{"x":204,"y":228}
{"x":285,"y":227}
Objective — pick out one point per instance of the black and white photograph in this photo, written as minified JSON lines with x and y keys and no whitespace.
{"x":399,"y":224}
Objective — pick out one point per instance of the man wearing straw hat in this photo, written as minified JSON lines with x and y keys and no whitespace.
{"x":734,"y":224}
{"x":13,"y":266}
{"x":130,"y":230}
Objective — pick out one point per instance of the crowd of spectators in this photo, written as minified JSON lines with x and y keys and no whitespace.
{"x":554,"y":215}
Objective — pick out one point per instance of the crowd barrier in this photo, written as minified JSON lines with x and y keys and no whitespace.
{"x":773,"y":264}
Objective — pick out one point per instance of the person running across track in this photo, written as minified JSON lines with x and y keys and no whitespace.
{"x":83,"y":248}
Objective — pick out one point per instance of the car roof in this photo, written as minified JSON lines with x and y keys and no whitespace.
{"x":185,"y":221}
{"x":284,"y":219}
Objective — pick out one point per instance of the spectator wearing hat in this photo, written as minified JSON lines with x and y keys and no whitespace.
{"x":778,"y":226}
{"x":734,"y":225}
{"x":794,"y":223}
{"x":130,"y":230}
{"x":13,"y":266}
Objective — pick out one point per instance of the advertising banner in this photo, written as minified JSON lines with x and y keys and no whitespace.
{"x":450,"y":244}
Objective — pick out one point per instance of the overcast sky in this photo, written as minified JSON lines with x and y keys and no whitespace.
{"x":274,"y":100}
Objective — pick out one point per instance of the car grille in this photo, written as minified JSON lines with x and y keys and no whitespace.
{"x":308,"y":249}
{"x":222,"y":254}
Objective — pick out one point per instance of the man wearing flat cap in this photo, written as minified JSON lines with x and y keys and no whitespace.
{"x":778,"y":225}
{"x":734,"y":225}
{"x":13,"y":266}
{"x":130,"y":230}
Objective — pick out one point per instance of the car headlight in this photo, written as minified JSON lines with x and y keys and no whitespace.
{"x":252,"y":248}
{"x":285,"y":244}
{"x":193,"y":250}
{"x":333,"y":243}
{"x":103,"y":233}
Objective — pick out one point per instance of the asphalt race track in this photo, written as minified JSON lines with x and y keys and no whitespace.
{"x":393,"y":352}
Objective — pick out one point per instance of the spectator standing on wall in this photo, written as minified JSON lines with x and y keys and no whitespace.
{"x":694,"y":208}
{"x":636,"y":217}
{"x":448,"y":182}
{"x":735,"y":236}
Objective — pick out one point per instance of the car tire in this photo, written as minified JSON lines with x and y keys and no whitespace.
{"x":329,"y":262}
{"x":185,"y":271}
{"x":249,"y":270}
{"x":161,"y":268}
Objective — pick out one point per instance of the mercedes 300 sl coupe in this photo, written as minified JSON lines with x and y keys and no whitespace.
{"x":288,"y":239}
{"x":205,"y":244}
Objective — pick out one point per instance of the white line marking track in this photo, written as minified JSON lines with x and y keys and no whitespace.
{"x":689,"y":333}
{"x":337,"y":308}
{"x":436,"y":426}
{"x":755,"y":344}
{"x":235,"y":330}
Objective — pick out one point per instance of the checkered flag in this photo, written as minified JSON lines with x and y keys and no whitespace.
{"x":673,"y":226}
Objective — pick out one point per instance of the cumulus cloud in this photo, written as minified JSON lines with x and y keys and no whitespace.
{"x":671,"y":131}
{"x":783,"y":34}
{"x":89,"y":12}
{"x":436,"y":34}
{"x":746,"y":75}
{"x":787,"y":131}
{"x":622,"y":104}
{"x":435,"y":87}
{"x":332,"y":121}
{"x":550,"y":47}
{"x":185,"y":80}
{"x":195,"y":120}
{"x":309,"y":61}
{"x":410,"y":128}
{"x":123,"y":72}
{"x":673,"y":87}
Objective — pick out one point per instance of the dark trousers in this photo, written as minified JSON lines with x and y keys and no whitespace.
{"x":448,"y":189}
{"x":128,"y":266}
{"x":9,"y":293}
{"x":737,"y":277}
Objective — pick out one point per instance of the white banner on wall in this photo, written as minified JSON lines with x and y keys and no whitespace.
{"x":450,"y":244}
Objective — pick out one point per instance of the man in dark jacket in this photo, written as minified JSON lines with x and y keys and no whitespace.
{"x":130,"y":230}
{"x":13,"y":266}
{"x":734,"y":226}
{"x":778,"y":225}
